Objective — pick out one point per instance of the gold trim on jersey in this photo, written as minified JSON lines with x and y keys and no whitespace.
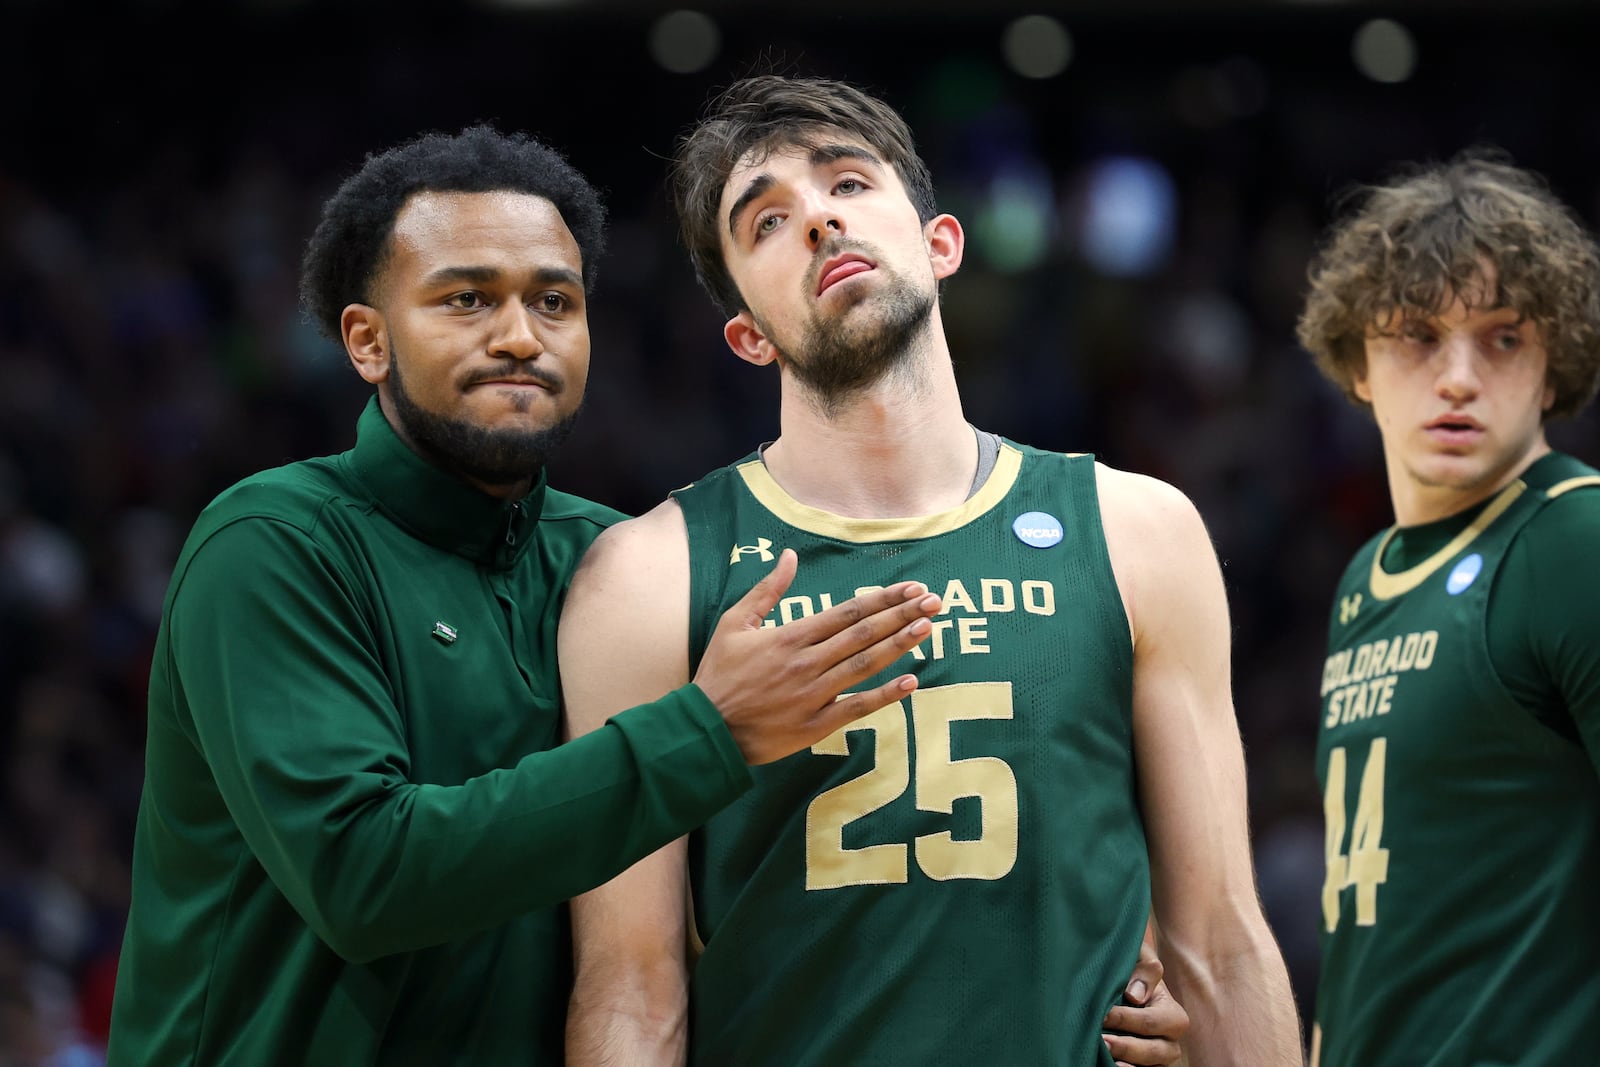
{"x":1572,"y":483}
{"x":765,"y":489}
{"x":1386,"y":586}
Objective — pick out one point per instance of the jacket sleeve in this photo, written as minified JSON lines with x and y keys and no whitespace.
{"x":279,"y":687}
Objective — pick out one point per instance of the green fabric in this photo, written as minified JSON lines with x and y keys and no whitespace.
{"x":1544,"y":631}
{"x":1481,"y":687}
{"x":358,"y":825}
{"x":967,"y":881}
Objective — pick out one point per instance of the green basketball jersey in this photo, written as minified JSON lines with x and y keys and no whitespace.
{"x":961,"y":877}
{"x":1463,"y":831}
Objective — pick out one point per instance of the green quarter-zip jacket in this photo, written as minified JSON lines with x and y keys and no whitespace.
{"x":359,"y":825}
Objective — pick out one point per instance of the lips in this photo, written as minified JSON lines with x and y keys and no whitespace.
{"x":1454,"y":431}
{"x":521,"y":381}
{"x":1454,"y":423}
{"x":839,"y":268}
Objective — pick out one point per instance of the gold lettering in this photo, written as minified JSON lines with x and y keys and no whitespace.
{"x":1355,"y":706}
{"x":997,"y":595}
{"x":973,"y":632}
{"x":826,"y":600}
{"x":1335,"y":705}
{"x":791,"y":608}
{"x":1336,"y":672}
{"x":1363,"y":663}
{"x":1038,"y":598}
{"x":936,"y":638}
{"x":956,"y":596}
{"x":1425,"y":649}
{"x":1386,"y":694}
{"x":1408,"y":651}
{"x":1391,"y":663}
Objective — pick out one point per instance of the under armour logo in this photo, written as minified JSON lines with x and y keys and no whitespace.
{"x":1348,"y":608}
{"x":762,"y":548}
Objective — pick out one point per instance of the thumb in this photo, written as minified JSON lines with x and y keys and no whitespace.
{"x":752,"y":608}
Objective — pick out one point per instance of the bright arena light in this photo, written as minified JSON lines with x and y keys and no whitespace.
{"x":1037,"y":46}
{"x":1130,"y":215}
{"x":684,"y":41}
{"x":1384,"y":51}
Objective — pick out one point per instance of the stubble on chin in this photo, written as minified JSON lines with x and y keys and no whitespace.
{"x":480,"y":453}
{"x":839,"y":357}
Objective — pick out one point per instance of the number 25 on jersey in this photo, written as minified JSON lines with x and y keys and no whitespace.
{"x":940,"y":782}
{"x":1367,"y":865}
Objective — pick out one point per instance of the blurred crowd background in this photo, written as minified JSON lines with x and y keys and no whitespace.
{"x":1142,"y":185}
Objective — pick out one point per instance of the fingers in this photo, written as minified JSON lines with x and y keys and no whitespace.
{"x":896,"y":600}
{"x":871,"y":644}
{"x":752,"y":608}
{"x":1138,"y":1034}
{"x":848,"y":709}
{"x":854,"y":660}
{"x":1142,"y":1052}
{"x":1147,"y":974}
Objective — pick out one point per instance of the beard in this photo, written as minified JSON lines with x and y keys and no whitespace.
{"x":836,"y":359}
{"x":492,"y":457}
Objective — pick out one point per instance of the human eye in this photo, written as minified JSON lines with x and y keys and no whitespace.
{"x":767,"y":222}
{"x":552,"y":303}
{"x":1506,"y":339}
{"x":1418,"y":333}
{"x":469,"y":300}
{"x":849,"y":185}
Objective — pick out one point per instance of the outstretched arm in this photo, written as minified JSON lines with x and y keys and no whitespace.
{"x":1221,"y":959}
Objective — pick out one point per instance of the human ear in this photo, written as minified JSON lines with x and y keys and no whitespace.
{"x":747,"y":341}
{"x":366,"y":341}
{"x":946,"y":241}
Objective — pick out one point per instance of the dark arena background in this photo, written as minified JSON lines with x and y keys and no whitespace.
{"x":1142,"y":185}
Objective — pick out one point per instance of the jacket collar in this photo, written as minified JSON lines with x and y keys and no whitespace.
{"x":436,"y":506}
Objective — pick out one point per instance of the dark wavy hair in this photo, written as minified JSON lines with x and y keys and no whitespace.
{"x":348,"y":249}
{"x":1413,"y":245}
{"x":761,"y":114}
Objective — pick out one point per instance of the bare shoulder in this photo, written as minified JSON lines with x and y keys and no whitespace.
{"x":1145,"y":514}
{"x":635,"y":550}
{"x":1161,"y":553}
{"x":623,"y":635}
{"x":637,"y":571}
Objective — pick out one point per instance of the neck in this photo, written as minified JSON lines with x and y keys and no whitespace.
{"x":899,"y":448}
{"x":1417,"y":501}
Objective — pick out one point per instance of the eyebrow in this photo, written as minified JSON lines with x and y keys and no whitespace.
{"x":490,"y":275}
{"x":820,"y":155}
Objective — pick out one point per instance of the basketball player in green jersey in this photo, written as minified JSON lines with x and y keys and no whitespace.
{"x":1460,"y":729}
{"x":966,"y":877}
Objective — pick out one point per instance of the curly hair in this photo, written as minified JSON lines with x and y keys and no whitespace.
{"x":761,"y":114}
{"x":350,"y":245}
{"x":1414,"y":245}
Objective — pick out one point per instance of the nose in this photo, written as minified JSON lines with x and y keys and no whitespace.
{"x":1459,"y":379}
{"x":821,"y":221}
{"x":515,"y":335}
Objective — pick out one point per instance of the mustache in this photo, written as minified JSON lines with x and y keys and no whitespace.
{"x":513,"y":372}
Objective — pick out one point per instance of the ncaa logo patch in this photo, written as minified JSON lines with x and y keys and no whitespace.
{"x":1464,"y":574}
{"x":1038,"y":529}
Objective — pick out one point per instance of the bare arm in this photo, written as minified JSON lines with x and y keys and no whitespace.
{"x":1221,"y":959}
{"x":776,"y":692}
{"x":630,"y":992}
